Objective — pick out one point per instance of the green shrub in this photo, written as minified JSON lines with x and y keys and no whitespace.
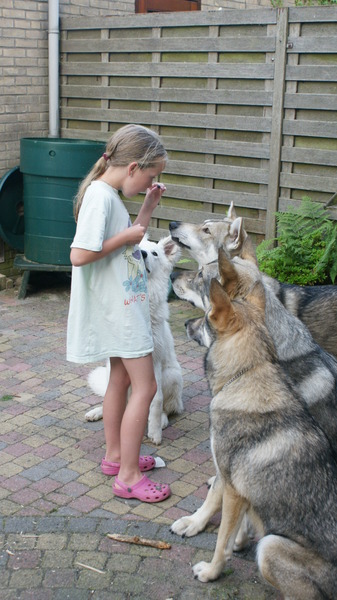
{"x":306,"y":251}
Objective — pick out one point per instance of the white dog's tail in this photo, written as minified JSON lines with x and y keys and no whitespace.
{"x":98,"y":381}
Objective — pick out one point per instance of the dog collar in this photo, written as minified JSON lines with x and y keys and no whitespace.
{"x":234,"y":378}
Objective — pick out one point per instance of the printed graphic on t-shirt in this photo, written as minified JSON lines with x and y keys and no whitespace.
{"x":137,"y":281}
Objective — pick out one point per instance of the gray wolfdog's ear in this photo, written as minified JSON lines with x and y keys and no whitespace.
{"x":237,"y":236}
{"x":231,"y":214}
{"x":248,"y":252}
{"x":228,"y":275}
{"x":171,"y":249}
{"x":221,"y":306}
{"x":257,"y":295}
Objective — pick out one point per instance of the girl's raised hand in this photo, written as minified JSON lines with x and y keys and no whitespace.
{"x":153,"y":194}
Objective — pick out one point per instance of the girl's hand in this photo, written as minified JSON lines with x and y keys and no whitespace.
{"x":135,"y":234}
{"x":153,"y":195}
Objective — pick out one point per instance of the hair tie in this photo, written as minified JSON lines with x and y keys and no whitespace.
{"x":105,"y":156}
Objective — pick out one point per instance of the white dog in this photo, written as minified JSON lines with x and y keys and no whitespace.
{"x":159,"y":259}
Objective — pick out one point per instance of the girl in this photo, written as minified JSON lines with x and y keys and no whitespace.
{"x":109,"y":312}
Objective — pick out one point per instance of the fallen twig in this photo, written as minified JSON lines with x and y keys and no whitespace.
{"x":90,"y":568}
{"x":135,"y":539}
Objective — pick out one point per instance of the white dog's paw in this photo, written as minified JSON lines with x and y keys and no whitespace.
{"x":95,"y":414}
{"x":186,"y":526}
{"x":204,"y":572}
{"x":164,"y":420}
{"x":155,"y":436}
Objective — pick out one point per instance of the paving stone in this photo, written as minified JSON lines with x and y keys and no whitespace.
{"x":83,"y":525}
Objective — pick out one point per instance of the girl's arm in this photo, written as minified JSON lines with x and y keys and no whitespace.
{"x":132,"y":235}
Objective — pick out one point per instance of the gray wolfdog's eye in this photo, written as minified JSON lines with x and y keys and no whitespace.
{"x":154,"y":253}
{"x":206,"y":230}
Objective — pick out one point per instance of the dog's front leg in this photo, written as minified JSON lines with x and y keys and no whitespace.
{"x":233,"y":509}
{"x":154,"y":431}
{"x":188,"y":526}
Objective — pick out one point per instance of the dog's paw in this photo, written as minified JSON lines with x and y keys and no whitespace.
{"x":241,"y":542}
{"x":164,"y":420}
{"x":186,"y":526}
{"x":204,"y":572}
{"x":210,"y":481}
{"x":155,"y":436}
{"x":95,"y":414}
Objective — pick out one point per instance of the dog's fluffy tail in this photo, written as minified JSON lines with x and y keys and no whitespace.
{"x":98,"y":381}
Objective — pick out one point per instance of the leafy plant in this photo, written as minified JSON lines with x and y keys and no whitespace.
{"x":306,"y":251}
{"x":315,"y":2}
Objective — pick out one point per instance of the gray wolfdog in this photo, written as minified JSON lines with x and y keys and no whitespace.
{"x":272,"y":460}
{"x":316,"y":306}
{"x":311,"y":372}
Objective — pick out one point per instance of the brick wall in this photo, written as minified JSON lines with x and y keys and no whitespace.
{"x":24,"y":64}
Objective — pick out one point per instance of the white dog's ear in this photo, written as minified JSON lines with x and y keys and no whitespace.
{"x":171,"y":249}
{"x":231,"y":214}
{"x":237,"y":236}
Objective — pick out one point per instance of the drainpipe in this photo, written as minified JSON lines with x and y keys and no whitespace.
{"x":53,"y":67}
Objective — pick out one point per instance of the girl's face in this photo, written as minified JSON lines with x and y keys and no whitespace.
{"x":138,"y":180}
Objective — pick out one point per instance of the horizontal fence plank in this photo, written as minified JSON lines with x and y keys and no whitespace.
{"x":243,"y":149}
{"x":311,"y":101}
{"x":210,"y":196}
{"x":325,"y":129}
{"x":254,"y":225}
{"x":309,"y":182}
{"x":210,"y":146}
{"x":169,"y":119}
{"x":197,"y":169}
{"x":314,"y":14}
{"x":195,"y":96}
{"x":310,"y":156}
{"x":186,"y":70}
{"x":186,"y":19}
{"x":184,"y":44}
{"x":312,"y":45}
{"x":311,"y":73}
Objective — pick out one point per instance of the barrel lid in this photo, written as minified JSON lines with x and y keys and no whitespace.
{"x":12,"y":225}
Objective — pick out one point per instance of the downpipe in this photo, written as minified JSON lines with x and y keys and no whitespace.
{"x":53,"y":68}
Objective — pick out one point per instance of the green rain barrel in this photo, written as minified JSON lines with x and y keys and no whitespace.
{"x":52,"y":171}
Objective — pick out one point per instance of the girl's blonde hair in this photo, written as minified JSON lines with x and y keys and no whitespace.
{"x":131,"y":143}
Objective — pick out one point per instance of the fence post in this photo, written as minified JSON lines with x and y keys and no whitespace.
{"x":277,"y":120}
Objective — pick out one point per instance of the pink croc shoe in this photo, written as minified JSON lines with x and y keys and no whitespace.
{"x":144,"y":490}
{"x":146,"y":463}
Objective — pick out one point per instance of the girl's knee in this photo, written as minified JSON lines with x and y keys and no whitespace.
{"x":119,"y":376}
{"x":149,"y":391}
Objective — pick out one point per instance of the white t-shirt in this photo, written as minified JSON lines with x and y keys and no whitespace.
{"x":109,"y":307}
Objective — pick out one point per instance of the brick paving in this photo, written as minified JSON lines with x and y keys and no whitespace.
{"x":57,"y":507}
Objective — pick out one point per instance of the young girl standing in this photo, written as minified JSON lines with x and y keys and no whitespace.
{"x":109,"y":311}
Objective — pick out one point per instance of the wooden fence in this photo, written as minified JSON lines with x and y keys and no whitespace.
{"x":244,"y":100}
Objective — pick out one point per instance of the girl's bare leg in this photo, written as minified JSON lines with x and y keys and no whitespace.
{"x":113,"y":408}
{"x":133,"y":424}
